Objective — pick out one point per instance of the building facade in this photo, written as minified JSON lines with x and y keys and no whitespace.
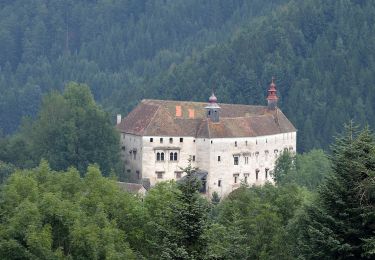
{"x":231,"y":143}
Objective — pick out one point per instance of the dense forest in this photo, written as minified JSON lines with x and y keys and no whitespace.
{"x":113,"y":46}
{"x":319,"y":52}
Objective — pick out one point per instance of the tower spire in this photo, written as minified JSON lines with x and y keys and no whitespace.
{"x":272,"y":96}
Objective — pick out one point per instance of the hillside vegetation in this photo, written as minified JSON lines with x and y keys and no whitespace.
{"x":113,"y":46}
{"x":320,"y":52}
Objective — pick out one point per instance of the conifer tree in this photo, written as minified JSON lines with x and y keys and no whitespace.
{"x":189,"y":217}
{"x":338,"y":225}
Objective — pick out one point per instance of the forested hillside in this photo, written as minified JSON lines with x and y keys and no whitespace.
{"x":113,"y":46}
{"x":320,"y":52}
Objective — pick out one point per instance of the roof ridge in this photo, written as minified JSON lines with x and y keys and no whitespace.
{"x":157,"y":110}
{"x":200,"y":102}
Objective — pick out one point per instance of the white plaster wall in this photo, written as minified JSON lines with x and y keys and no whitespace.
{"x":226,"y":149}
{"x":185,"y":149}
{"x":131,"y":143}
{"x":206,"y":154}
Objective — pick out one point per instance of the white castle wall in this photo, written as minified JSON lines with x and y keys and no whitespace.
{"x":206,"y":152}
{"x":185,"y":150}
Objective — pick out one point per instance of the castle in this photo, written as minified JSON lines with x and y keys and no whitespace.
{"x":229,"y":143}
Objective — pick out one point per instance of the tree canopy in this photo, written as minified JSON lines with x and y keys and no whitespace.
{"x":70,"y":130}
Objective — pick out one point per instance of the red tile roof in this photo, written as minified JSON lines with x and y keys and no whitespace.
{"x":158,"y":118}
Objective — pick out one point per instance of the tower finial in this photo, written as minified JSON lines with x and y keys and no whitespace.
{"x":212,"y":98}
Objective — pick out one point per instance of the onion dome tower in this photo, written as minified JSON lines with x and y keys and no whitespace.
{"x":272,"y":96}
{"x":213,"y":108}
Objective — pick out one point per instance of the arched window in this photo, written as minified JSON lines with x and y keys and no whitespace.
{"x":175,"y":156}
{"x":158,"y":156}
{"x":162,"y":156}
{"x":171,"y":156}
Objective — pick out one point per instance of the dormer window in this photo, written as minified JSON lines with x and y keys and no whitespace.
{"x":170,"y":140}
{"x":151,"y":140}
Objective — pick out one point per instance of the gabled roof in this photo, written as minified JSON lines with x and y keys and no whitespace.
{"x":160,"y":118}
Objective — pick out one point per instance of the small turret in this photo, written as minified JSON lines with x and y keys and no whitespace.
{"x":272,"y":96}
{"x":213,"y":108}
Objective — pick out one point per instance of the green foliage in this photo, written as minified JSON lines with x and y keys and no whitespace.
{"x":59,"y":215}
{"x":6,"y":169}
{"x":307,"y":170}
{"x":177,"y":216}
{"x":339,"y":224}
{"x":252,"y":223}
{"x":70,"y":130}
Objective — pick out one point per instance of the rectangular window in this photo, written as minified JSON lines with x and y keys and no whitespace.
{"x":138,"y":174}
{"x":256,"y":174}
{"x":235,"y":160}
{"x":235,"y":143}
{"x":159,"y":175}
{"x":170,"y":140}
{"x":219,"y":183}
{"x":246,"y":160}
{"x":134,"y":155}
{"x":178,"y":174}
{"x":219,"y":158}
{"x":266,"y":173}
{"x":151,"y":140}
{"x":246,"y":175}
{"x":181,"y":139}
{"x":161,"y":140}
{"x":193,"y":158}
{"x":235,"y":176}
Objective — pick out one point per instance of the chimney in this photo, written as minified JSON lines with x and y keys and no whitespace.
{"x":118,"y":118}
{"x":191,"y":113}
{"x":178,"y":111}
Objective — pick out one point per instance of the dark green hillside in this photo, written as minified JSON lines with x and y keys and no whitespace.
{"x":321,"y":53}
{"x":110,"y":45}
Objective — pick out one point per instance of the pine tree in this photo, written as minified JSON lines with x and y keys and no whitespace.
{"x":190,"y":215}
{"x":338,"y":225}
